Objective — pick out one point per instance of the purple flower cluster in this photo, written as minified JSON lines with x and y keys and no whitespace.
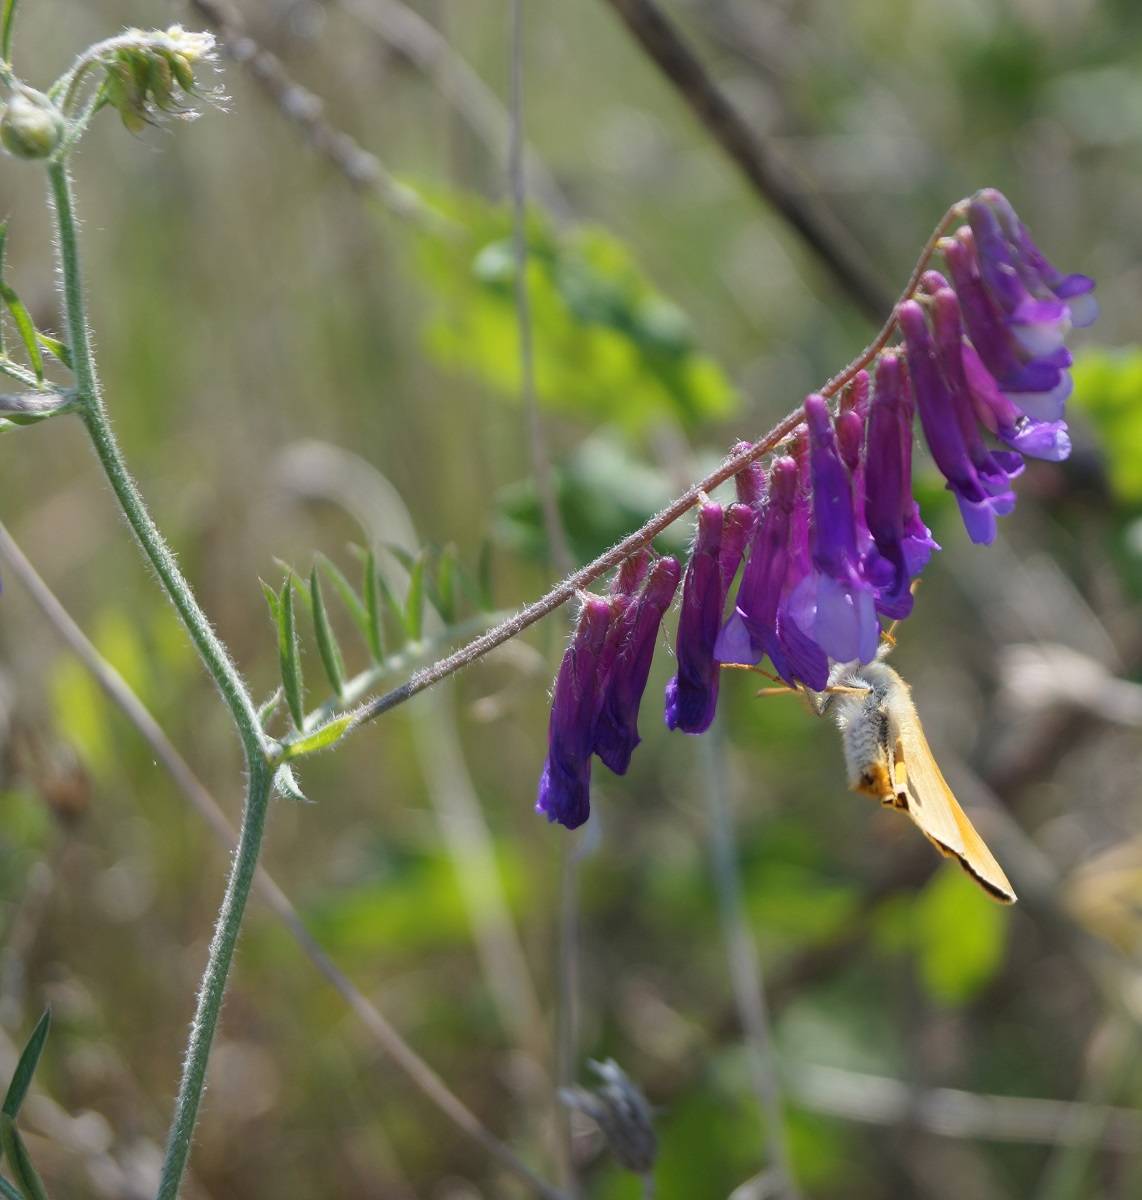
{"x":600,"y":684}
{"x":833,"y":535}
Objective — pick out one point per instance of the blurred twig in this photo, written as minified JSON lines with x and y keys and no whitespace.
{"x":473,"y":100}
{"x":306,"y":110}
{"x":773,"y":180}
{"x":876,"y":1100}
{"x":116,"y":688}
{"x":540,"y":464}
{"x":745,"y":966}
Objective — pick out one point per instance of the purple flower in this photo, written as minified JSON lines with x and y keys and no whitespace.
{"x":756,"y":625}
{"x":979,"y":479}
{"x":1039,"y":386}
{"x":834,"y":604}
{"x":626,"y":661}
{"x":565,"y":785}
{"x":892,"y":515}
{"x":692,"y":694}
{"x":1040,"y":278}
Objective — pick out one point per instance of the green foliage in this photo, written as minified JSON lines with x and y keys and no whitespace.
{"x":608,"y":347}
{"x":414,"y":904}
{"x":603,"y":491}
{"x":798,"y":906}
{"x":81,"y":709}
{"x":1108,"y":389}
{"x":954,"y":931}
{"x":818,"y":1149}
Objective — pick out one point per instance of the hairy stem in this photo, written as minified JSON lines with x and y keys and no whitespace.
{"x":209,"y":1008}
{"x":217,"y":662}
{"x":210,"y":649}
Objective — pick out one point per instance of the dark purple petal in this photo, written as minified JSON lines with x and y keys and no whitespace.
{"x":1009,"y":364}
{"x":834,"y":603}
{"x":1039,"y":274}
{"x":994,"y":468}
{"x":565,"y":785}
{"x":1038,"y":437}
{"x":893,"y":517}
{"x":947,"y":418}
{"x":751,"y":630}
{"x":692,"y":695}
{"x":806,"y":660}
{"x":629,"y":653}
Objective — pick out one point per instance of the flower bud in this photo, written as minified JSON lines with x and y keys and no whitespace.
{"x":622,"y":1114}
{"x":31,"y":126}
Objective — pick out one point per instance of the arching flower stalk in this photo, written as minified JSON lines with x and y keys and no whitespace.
{"x":831,"y":534}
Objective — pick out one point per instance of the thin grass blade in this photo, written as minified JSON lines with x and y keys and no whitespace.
{"x":26,"y":1067}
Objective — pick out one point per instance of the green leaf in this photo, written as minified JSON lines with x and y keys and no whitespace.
{"x":273,"y":601}
{"x":327,"y":646}
{"x":374,"y":631}
{"x":608,"y":347}
{"x":55,"y":348}
{"x":319,"y":739}
{"x":7,"y":25}
{"x":446,"y":578}
{"x":958,"y":937}
{"x":286,"y":783}
{"x":300,"y":590}
{"x":20,"y":1161}
{"x":1108,"y":384}
{"x":413,"y":616}
{"x":270,"y":706}
{"x":477,"y":592}
{"x":26,"y":1067}
{"x":289,"y":655}
{"x":25,"y":327}
{"x":414,"y":563}
{"x":390,"y":599}
{"x":348,"y":596}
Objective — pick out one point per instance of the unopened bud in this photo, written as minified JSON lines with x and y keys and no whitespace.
{"x":31,"y":126}
{"x":621,"y":1112}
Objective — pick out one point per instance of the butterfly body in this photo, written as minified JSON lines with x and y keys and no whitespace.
{"x":888,"y":758}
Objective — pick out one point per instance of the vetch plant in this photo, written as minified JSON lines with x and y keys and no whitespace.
{"x":829,"y":531}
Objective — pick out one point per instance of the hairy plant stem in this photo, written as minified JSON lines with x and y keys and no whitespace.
{"x":257,"y":748}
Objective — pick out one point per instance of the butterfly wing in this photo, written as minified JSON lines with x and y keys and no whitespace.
{"x":932,"y":806}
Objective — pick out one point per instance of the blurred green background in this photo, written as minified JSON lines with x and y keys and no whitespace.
{"x":257,"y":320}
